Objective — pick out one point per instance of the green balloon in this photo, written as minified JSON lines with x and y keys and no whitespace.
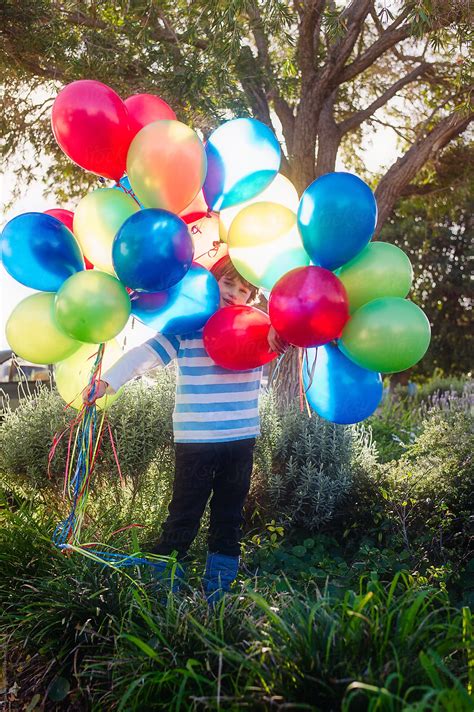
{"x":33,"y":333}
{"x":92,"y":306}
{"x":379,"y":270}
{"x":387,"y":335}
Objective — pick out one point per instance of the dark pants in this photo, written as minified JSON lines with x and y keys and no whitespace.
{"x":223,"y":469}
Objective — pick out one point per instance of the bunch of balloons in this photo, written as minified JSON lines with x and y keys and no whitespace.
{"x":144,"y":245}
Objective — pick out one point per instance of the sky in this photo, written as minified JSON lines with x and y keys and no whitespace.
{"x":380,"y":151}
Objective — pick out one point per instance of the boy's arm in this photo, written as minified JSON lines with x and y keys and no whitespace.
{"x":157,"y":351}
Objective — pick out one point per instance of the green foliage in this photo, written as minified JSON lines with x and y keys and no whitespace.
{"x":398,"y":420}
{"x":26,"y":435}
{"x":141,"y":423}
{"x":105,"y":636}
{"x":428,"y":492}
{"x":305,"y":466}
{"x":213,"y":59}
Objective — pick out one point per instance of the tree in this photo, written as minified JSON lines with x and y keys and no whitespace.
{"x":324,"y":71}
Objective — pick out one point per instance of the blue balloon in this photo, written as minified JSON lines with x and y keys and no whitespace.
{"x":243,"y":157}
{"x":336,"y":218}
{"x":40,"y":251}
{"x":152,"y":251}
{"x":125,"y":187}
{"x":337,"y":389}
{"x":183,"y":308}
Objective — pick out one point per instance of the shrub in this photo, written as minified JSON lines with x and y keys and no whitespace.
{"x":26,"y":435}
{"x":428,"y":492}
{"x":140,"y":421}
{"x":397,"y":422}
{"x":305,"y":466}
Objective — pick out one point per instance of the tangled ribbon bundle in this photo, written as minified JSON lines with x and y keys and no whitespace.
{"x":85,"y":435}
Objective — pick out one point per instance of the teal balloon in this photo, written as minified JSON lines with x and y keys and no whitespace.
{"x":387,"y":335}
{"x":39,"y":251}
{"x":337,"y":389}
{"x":336,"y":218}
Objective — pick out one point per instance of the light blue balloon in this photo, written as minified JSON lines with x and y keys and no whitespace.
{"x":39,"y":251}
{"x":183,"y":308}
{"x":337,"y":389}
{"x":243,"y":157}
{"x":336,"y":218}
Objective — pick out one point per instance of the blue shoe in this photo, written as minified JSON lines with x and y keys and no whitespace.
{"x":221,"y":571}
{"x":168,"y":574}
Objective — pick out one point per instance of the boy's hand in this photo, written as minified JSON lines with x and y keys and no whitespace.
{"x":276,"y":343}
{"x":89,"y":398}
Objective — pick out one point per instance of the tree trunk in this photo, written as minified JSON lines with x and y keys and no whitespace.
{"x":329,"y":131}
{"x":284,"y":377}
{"x":302,"y":159}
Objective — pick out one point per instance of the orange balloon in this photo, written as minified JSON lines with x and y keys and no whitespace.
{"x":166,"y":165}
{"x":205,"y":236}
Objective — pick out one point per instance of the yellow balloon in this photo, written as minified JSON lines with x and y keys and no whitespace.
{"x":280,"y":191}
{"x":33,"y":333}
{"x":166,"y":165}
{"x":97,"y":220}
{"x":264,"y":243}
{"x":72,"y":375}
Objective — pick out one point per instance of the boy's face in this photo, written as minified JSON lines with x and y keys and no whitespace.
{"x":233,"y":292}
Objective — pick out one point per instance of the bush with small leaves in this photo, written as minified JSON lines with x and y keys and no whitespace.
{"x":26,"y":435}
{"x":306,"y":466}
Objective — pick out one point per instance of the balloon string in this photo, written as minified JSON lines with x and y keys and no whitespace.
{"x":85,"y":436}
{"x":313,"y":368}
{"x":115,"y":454}
{"x":212,"y":252}
{"x":275,"y":371}
{"x":129,"y":192}
{"x":216,"y":243}
{"x":300,"y":378}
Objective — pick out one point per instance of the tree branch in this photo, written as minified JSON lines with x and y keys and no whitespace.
{"x":360,"y":116}
{"x":405,"y":168}
{"x":305,"y":49}
{"x":329,"y":75}
{"x":389,"y":39}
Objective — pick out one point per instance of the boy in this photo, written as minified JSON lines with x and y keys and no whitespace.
{"x":215,"y":423}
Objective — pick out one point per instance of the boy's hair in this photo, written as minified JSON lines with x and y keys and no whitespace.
{"x":225,"y":268}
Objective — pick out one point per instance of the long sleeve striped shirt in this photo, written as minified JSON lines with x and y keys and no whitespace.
{"x":213,"y":404}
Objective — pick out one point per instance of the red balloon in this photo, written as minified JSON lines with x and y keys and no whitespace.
{"x":67,"y":218}
{"x":90,"y":123}
{"x":308,"y":306}
{"x":237,"y":338}
{"x":143,"y":109}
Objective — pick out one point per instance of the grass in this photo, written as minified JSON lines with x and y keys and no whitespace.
{"x":84,"y":636}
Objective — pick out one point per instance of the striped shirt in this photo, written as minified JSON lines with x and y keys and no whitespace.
{"x":213,"y":404}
